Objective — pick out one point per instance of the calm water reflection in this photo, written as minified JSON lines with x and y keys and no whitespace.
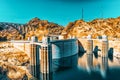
{"x":91,"y":68}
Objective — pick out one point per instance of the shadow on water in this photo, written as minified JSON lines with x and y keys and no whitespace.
{"x":81,"y":49}
{"x":110,"y":54}
{"x":95,"y":51}
{"x":90,"y":71}
{"x":114,"y":73}
{"x":77,"y":73}
{"x":104,"y":72}
{"x":71,"y":74}
{"x":62,"y":69}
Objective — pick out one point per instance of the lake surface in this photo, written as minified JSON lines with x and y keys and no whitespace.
{"x":91,"y":67}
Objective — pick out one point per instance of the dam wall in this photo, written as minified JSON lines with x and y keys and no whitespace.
{"x":23,"y":46}
{"x":113,"y":46}
{"x":64,"y":52}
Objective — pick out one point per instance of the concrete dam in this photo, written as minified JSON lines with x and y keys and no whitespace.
{"x":49,"y":55}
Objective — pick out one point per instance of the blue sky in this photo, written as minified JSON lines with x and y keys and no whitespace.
{"x":58,"y":11}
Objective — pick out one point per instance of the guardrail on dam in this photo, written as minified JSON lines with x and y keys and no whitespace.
{"x":48,"y":56}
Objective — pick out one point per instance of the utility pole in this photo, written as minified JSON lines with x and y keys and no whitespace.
{"x":82,"y":14}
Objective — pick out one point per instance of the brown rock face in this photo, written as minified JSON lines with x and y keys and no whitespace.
{"x":40,"y":28}
{"x":97,"y":27}
{"x":9,"y":32}
{"x":79,"y":28}
{"x":34,"y":27}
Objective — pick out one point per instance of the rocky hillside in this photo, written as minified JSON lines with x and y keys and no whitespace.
{"x":97,"y":27}
{"x":79,"y":28}
{"x":4,"y":25}
{"x":9,"y":31}
{"x":14,"y":63}
{"x":40,"y":28}
{"x":34,"y":27}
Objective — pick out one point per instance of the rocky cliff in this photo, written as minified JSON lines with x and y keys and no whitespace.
{"x":9,"y":31}
{"x":78,"y":28}
{"x":40,"y":28}
{"x":97,"y":27}
{"x":34,"y":27}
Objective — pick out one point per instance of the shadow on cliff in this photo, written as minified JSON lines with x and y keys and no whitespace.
{"x":3,"y":38}
{"x":3,"y":74}
{"x":81,"y":49}
{"x":1,"y":28}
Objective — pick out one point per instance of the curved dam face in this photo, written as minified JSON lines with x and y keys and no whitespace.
{"x":64,"y":53}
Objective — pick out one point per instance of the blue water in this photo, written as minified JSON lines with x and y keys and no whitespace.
{"x":89,"y":71}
